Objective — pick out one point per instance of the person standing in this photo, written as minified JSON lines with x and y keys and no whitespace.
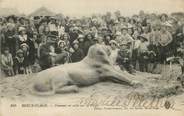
{"x":10,"y":39}
{"x":88,"y":42}
{"x":143,"y":53}
{"x":164,"y":41}
{"x":124,"y":58}
{"x":114,"y":51}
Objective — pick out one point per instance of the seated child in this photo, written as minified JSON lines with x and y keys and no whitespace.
{"x":7,"y":63}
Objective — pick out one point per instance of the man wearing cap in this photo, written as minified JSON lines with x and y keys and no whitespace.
{"x":52,"y":38}
{"x":45,"y":54}
{"x":125,"y":37}
{"x":53,"y":26}
{"x":124,"y":59}
{"x":73,"y":34}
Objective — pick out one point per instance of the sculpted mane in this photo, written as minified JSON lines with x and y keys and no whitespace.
{"x":99,"y":53}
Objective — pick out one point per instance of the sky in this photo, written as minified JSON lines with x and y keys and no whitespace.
{"x":88,"y":7}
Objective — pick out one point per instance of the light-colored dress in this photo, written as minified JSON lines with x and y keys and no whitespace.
{"x":113,"y":56}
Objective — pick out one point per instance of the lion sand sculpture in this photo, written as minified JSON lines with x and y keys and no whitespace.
{"x":95,"y":67}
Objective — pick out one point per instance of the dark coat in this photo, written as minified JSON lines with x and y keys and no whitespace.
{"x":32,"y":51}
{"x":87,"y":45}
{"x":77,"y":55}
{"x":44,"y":56}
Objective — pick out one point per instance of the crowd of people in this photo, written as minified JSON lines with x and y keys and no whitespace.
{"x":47,"y":41}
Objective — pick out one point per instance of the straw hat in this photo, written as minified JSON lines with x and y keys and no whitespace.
{"x":113,"y":42}
{"x":19,"y":52}
{"x":143,"y":36}
{"x":61,"y":42}
{"x":24,"y":45}
{"x":21,"y":29}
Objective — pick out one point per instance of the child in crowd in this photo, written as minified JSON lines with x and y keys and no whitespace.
{"x":19,"y":60}
{"x":25,"y":48}
{"x":7,"y":63}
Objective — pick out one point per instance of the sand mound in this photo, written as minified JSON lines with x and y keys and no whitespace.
{"x":153,"y":85}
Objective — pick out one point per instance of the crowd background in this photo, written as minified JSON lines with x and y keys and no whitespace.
{"x":139,"y":42}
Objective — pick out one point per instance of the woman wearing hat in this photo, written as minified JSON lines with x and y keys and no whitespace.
{"x":61,"y":46}
{"x":22,"y":35}
{"x":163,"y":18}
{"x":65,"y":37}
{"x":62,"y":53}
{"x":114,"y":51}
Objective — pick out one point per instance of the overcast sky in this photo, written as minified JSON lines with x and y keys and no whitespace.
{"x":87,"y":7}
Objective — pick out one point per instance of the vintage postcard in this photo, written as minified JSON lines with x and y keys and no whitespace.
{"x":92,"y":57}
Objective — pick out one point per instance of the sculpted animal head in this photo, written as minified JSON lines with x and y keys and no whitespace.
{"x":99,"y":53}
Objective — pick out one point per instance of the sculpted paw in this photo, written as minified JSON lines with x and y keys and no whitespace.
{"x":136,"y":84}
{"x":76,"y":90}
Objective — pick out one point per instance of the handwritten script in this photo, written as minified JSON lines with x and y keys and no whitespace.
{"x":133,"y":100}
